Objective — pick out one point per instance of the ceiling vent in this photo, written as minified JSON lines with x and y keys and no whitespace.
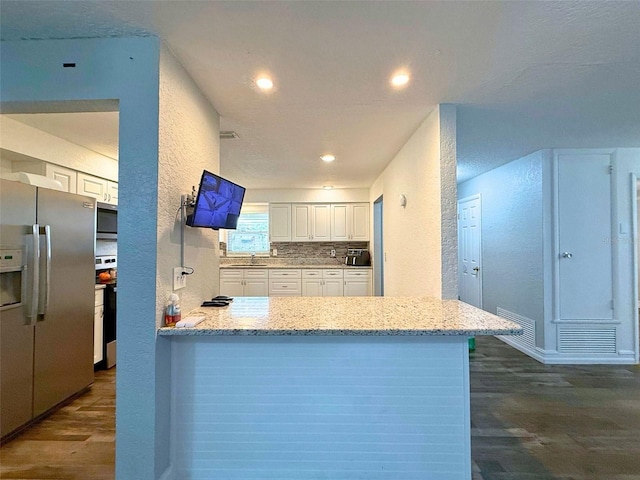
{"x":228,"y":134}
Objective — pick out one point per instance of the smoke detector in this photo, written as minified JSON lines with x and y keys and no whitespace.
{"x":229,"y":134}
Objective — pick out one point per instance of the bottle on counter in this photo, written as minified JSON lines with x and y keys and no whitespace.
{"x":172,"y":312}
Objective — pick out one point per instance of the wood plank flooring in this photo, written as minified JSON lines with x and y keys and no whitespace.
{"x":76,"y":442}
{"x":529,"y":422}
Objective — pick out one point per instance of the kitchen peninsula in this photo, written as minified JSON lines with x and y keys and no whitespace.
{"x":338,"y":388}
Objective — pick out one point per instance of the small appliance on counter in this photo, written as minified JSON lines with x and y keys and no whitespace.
{"x":106,"y":273}
{"x":357,"y":257}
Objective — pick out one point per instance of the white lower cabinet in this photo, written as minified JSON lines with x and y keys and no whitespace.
{"x":357,"y":283}
{"x":322,"y":283}
{"x":98,"y":320}
{"x":244,"y":282}
{"x":285,"y":282}
{"x":295,"y":282}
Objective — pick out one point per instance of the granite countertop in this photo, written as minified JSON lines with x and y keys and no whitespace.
{"x":283,"y":265}
{"x":345,"y":316}
{"x":100,"y":286}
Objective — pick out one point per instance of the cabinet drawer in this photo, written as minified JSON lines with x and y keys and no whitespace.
{"x":99,"y":298}
{"x":229,"y":273}
{"x":285,"y":273}
{"x":357,"y":274}
{"x":253,"y":273}
{"x":332,"y":273}
{"x":311,"y":273}
{"x":280,"y":288}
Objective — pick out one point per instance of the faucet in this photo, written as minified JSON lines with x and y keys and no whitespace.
{"x":253,"y":258}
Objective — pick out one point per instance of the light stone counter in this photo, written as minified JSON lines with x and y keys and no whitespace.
{"x":346,"y":316}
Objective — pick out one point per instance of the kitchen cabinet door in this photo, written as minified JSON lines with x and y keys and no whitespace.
{"x":112,"y":193}
{"x":359,"y":222}
{"x":232,"y":287}
{"x":98,"y":318}
{"x":350,"y":221}
{"x":256,"y":287}
{"x":300,"y":223}
{"x":280,"y":222}
{"x":332,"y":287}
{"x":91,"y":186}
{"x":357,"y":283}
{"x":312,"y":287}
{"x":67,"y":177}
{"x":320,"y":223}
{"x":339,"y":222}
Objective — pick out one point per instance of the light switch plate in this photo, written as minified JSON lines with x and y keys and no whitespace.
{"x":179,"y":280}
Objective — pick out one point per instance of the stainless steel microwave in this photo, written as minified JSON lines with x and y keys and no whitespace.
{"x":106,"y":221}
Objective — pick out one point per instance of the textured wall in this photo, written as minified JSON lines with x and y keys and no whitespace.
{"x":189,"y":143}
{"x":448,"y":203}
{"x":512,"y":236}
{"x":125,"y":69}
{"x":412,"y":234}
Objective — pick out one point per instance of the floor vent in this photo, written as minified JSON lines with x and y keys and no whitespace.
{"x":528,"y":337}
{"x":587,"y":339}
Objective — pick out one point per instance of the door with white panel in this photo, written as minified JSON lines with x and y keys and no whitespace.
{"x":470,"y":250}
{"x":584,"y":248}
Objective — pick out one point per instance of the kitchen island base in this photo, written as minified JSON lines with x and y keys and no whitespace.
{"x":320,"y":407}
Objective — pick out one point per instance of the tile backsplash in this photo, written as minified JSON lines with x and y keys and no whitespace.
{"x":309,"y":250}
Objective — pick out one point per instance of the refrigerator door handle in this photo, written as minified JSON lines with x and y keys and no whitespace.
{"x":42,"y":310}
{"x":35,"y":275}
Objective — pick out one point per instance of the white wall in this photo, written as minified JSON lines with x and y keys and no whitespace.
{"x":337,"y":195}
{"x":20,"y":140}
{"x":420,"y":240}
{"x":512,"y":236}
{"x":126,"y":70}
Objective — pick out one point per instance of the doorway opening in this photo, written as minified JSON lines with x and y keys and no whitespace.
{"x":378,"y":248}
{"x":75,"y":145}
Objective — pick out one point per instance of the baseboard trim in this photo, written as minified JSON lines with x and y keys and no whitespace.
{"x":555,"y":358}
{"x":535,"y":354}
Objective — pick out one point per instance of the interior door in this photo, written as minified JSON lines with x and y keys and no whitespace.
{"x":470,"y":250}
{"x":585,"y":248}
{"x":63,"y":362}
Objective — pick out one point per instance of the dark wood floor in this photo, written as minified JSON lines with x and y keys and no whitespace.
{"x":529,"y":422}
{"x":76,"y":442}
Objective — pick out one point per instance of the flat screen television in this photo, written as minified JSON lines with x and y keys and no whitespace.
{"x":217,"y":204}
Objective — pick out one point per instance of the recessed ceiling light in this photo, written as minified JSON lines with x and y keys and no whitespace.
{"x":328,"y":158}
{"x":264,"y":83}
{"x":328,"y":187}
{"x":400,"y":80}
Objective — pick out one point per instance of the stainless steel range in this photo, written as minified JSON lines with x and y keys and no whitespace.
{"x":107,"y":274}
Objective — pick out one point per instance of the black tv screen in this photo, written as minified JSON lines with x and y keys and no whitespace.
{"x":218,"y":203}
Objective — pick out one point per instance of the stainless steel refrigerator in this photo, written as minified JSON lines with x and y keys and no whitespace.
{"x":47,"y":277}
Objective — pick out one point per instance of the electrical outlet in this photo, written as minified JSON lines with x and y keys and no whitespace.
{"x":179,"y":279}
{"x":275,"y":252}
{"x":333,"y":253}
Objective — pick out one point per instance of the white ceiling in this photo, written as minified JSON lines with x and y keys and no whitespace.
{"x":525,"y":75}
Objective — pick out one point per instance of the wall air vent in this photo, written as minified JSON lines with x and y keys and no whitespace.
{"x":586,"y":339}
{"x":528,"y":337}
{"x":228,"y":134}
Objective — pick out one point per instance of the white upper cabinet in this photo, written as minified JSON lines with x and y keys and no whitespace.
{"x":310,"y":222}
{"x":99,"y":188}
{"x":350,"y":221}
{"x":67,"y":177}
{"x":280,"y":222}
